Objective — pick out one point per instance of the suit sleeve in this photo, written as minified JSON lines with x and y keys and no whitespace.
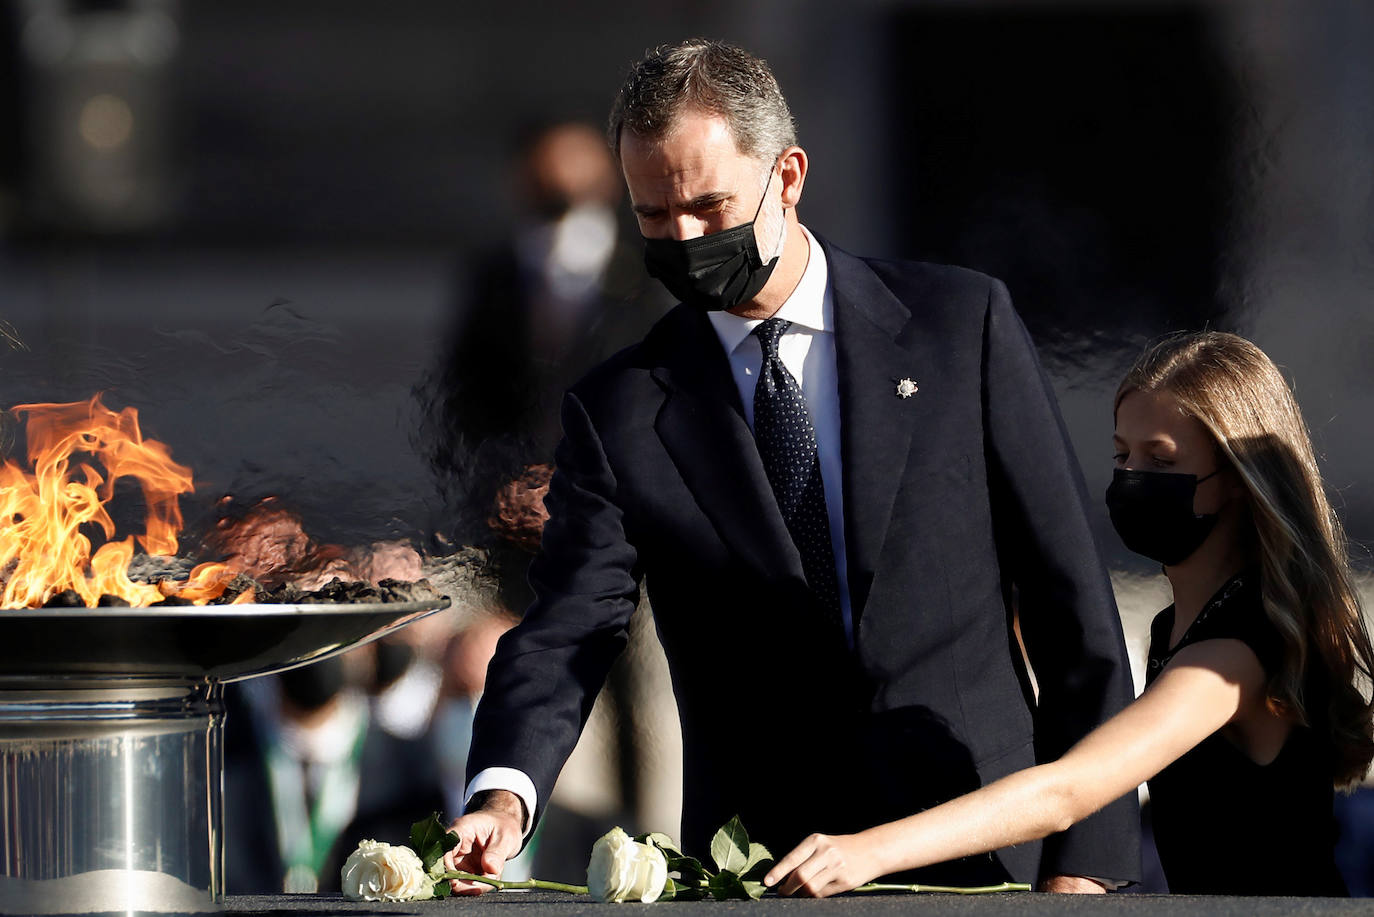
{"x":1068,"y":615}
{"x":547,"y":670}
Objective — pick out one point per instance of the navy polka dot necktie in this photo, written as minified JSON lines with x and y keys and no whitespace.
{"x":787,"y":444}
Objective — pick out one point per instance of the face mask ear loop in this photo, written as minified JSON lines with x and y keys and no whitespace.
{"x":758,"y":210}
{"x":766,"y":185}
{"x":1207,"y":478}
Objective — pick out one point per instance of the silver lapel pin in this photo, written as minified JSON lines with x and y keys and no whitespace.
{"x":906,"y":388}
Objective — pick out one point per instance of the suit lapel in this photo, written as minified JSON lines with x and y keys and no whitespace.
{"x":701,"y":424}
{"x":876,"y":423}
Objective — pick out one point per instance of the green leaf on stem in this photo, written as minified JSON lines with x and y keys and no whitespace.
{"x":760,"y":861}
{"x":755,"y":890}
{"x":688,"y":867}
{"x":661,"y":841}
{"x":430,"y":840}
{"x":442,"y":888}
{"x":730,"y":847}
{"x":726,"y":886}
{"x":674,"y":891}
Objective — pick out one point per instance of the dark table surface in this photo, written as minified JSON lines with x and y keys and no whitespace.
{"x":1022,"y":904}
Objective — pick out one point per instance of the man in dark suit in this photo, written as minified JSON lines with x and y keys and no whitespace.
{"x":841,"y":479}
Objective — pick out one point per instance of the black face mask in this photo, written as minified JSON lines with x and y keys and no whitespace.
{"x":550,"y":207}
{"x":393,"y":660}
{"x":1152,"y":511}
{"x":713,"y":272}
{"x":311,"y":687}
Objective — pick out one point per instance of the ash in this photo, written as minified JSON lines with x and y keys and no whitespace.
{"x":464,"y":576}
{"x":461,"y":576}
{"x":150,"y":568}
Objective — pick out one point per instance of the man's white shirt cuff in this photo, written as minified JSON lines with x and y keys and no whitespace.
{"x":509,"y":779}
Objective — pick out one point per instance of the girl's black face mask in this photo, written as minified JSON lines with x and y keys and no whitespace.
{"x":713,"y":272}
{"x":1152,"y":511}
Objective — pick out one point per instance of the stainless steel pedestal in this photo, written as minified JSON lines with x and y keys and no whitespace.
{"x":111,"y":738}
{"x":110,"y":800}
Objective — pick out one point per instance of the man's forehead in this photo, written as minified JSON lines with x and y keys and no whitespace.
{"x":698,"y":158}
{"x":692,"y":137}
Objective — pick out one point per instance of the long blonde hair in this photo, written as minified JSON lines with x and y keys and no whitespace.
{"x":1240,"y":396}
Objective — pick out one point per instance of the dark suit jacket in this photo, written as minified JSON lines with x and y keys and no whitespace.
{"x":961,"y":503}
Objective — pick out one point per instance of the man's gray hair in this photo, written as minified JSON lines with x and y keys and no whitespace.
{"x":711,"y":76}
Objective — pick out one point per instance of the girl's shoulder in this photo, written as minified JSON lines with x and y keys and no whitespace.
{"x":1239,"y":615}
{"x":1235,"y":612}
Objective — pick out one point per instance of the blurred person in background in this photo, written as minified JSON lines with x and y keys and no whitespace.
{"x":832,"y":571}
{"x":1355,"y":848}
{"x":567,"y":290}
{"x":406,"y":685}
{"x":309,"y":771}
{"x":1254,"y":707}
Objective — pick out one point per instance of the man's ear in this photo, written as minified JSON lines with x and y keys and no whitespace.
{"x":793,"y":164}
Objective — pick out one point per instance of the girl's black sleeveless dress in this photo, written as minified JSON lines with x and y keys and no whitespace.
{"x":1223,"y":824}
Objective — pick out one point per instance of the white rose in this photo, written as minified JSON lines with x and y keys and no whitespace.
{"x":623,"y":870}
{"x":380,"y":872}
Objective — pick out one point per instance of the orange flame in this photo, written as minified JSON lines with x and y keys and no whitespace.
{"x":43,"y":550}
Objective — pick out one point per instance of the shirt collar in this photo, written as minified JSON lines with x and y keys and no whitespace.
{"x":809,"y":306}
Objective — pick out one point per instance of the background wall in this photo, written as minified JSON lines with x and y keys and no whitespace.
{"x":249,"y":219}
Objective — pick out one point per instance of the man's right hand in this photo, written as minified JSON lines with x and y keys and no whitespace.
{"x":489,"y":834}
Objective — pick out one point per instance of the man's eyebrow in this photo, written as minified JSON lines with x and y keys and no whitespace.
{"x":700,"y":202}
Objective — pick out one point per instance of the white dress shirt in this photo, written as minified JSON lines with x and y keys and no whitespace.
{"x":807,"y":349}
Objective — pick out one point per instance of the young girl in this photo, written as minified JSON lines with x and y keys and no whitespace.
{"x":1254,"y":706}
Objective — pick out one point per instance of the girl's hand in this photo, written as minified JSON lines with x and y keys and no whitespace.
{"x":823,"y":865}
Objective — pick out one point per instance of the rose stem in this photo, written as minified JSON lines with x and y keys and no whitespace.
{"x":528,"y":883}
{"x":946,"y":889}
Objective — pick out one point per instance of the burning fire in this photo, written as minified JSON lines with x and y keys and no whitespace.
{"x":43,"y":548}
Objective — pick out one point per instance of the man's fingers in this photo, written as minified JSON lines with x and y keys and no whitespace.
{"x":454,"y":855}
{"x":466,"y":863}
{"x":492,"y":863}
{"x":496,"y":852}
{"x":484,"y":845}
{"x":1072,"y":885}
{"x":462,"y":887}
{"x":475,"y":861}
